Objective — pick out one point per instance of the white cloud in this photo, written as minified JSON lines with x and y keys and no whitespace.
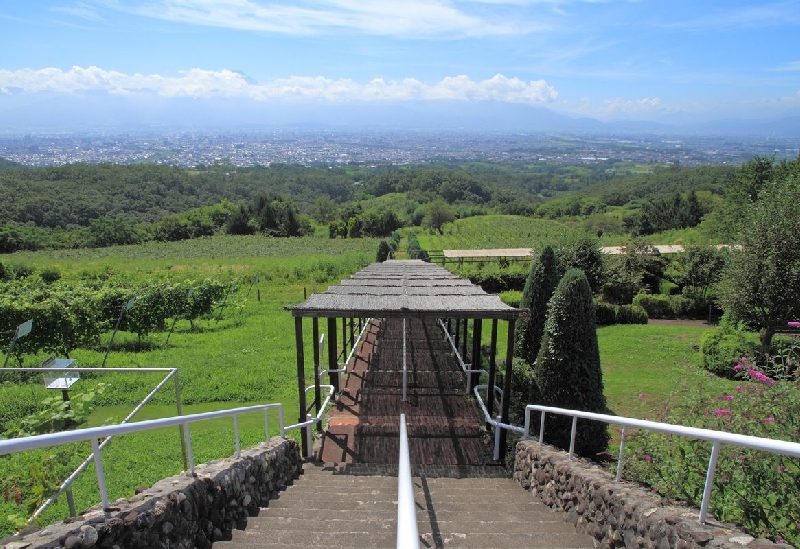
{"x":228,"y":83}
{"x":405,"y":19}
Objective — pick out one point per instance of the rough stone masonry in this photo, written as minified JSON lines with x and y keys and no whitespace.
{"x":619,"y":514}
{"x":180,"y":512}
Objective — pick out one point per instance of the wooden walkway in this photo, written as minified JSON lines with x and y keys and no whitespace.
{"x":444,"y":427}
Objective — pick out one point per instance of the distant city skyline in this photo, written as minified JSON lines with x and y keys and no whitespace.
{"x":169,"y":61}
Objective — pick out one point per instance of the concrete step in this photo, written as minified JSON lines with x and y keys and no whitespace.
{"x":329,"y":507}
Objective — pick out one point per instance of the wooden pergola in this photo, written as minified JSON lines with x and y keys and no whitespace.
{"x":406,"y":289}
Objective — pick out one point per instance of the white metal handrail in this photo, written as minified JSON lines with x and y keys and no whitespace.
{"x":494,"y":422}
{"x":66,"y":485}
{"x":93,"y":434}
{"x":407,"y":531}
{"x":312,"y":420}
{"x":343,"y":365}
{"x":715,"y":437}
{"x":465,"y":367}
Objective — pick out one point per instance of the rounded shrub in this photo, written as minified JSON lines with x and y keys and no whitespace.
{"x":605,"y":313}
{"x":723,"y":347}
{"x":631,"y":314}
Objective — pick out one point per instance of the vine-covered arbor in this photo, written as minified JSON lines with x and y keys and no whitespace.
{"x":406,"y":289}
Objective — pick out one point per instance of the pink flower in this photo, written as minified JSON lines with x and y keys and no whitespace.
{"x":648,"y":458}
{"x":738,"y":387}
{"x":781,"y":468}
{"x":741,"y":457}
{"x":760,"y":377}
{"x":769,"y":419}
{"x":726,"y":397}
{"x":722,"y":412}
{"x":642,"y":395}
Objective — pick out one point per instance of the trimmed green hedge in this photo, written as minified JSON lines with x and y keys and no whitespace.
{"x":608,"y":314}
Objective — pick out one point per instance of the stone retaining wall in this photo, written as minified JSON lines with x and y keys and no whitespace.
{"x":181,"y":511}
{"x":618,"y":514}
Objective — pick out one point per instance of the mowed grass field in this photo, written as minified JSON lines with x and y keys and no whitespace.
{"x":248,"y":357}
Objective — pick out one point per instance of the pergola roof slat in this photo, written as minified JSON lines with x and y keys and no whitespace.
{"x":405,"y":288}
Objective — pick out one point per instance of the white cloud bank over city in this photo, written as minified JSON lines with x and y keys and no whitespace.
{"x":201,"y":83}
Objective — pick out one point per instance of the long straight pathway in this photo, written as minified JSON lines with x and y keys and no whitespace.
{"x":444,"y":427}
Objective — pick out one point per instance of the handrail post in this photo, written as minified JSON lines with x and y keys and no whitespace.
{"x":101,"y":477}
{"x":309,"y":437}
{"x":236,"y":435}
{"x":266,"y":425}
{"x":184,"y":454}
{"x":497,"y":430}
{"x":572,"y":437}
{"x":527,"y":422}
{"x":712,"y":465}
{"x":541,"y":429}
{"x":621,"y":449}
{"x":189,"y":447}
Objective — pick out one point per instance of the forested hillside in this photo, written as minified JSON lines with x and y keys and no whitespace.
{"x":104,"y":204}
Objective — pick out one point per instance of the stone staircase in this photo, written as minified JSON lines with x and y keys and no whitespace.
{"x":338,"y":507}
{"x":349,"y":497}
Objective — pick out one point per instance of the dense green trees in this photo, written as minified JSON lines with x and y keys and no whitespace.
{"x":761,"y":282}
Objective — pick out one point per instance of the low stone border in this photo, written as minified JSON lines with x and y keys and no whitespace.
{"x":618,"y":514}
{"x":181,"y":511}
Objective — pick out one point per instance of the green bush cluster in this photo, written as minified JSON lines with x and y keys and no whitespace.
{"x":673,"y":306}
{"x":723,"y":347}
{"x":608,"y":314}
{"x":66,"y":317}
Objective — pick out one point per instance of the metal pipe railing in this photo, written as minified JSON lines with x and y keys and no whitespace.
{"x":66,"y":485}
{"x":715,"y":437}
{"x":312,"y":420}
{"x":93,"y":434}
{"x":465,"y":367}
{"x":343,"y":365}
{"x":407,"y":531}
{"x":494,"y":422}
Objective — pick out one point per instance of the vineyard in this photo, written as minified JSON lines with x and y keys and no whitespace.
{"x":69,"y":316}
{"x":494,"y":231}
{"x":213,"y":308}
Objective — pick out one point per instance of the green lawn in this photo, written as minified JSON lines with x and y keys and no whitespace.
{"x":645,"y":364}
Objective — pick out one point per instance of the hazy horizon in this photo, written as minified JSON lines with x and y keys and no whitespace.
{"x":539,"y":65}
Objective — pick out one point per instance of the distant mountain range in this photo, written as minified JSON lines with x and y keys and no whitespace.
{"x":83,"y":112}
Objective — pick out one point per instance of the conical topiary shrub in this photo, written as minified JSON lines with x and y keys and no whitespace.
{"x":539,"y":288}
{"x":567,"y":370}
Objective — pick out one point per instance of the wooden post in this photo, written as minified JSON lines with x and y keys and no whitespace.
{"x":476,"y":353}
{"x":507,"y":382}
{"x":301,"y":380}
{"x":332,"y":355}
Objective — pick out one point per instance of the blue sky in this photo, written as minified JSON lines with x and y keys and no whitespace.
{"x":612,"y":60}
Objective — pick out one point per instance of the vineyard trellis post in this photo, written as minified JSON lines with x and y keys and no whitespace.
{"x":125,"y":308}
